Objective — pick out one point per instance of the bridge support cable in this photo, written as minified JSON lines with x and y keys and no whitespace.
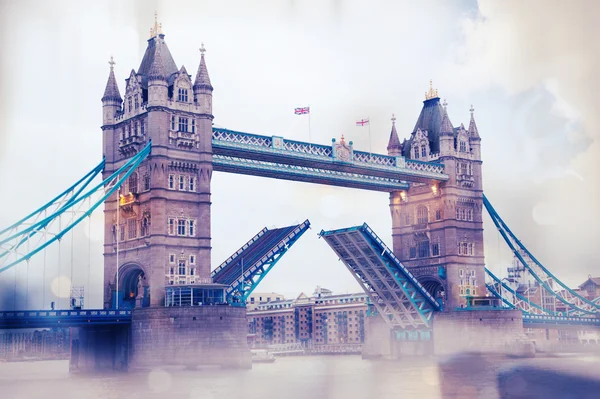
{"x":246,"y":268}
{"x":396,"y":294}
{"x":74,"y":207}
{"x":576,"y":303}
{"x":510,"y":296}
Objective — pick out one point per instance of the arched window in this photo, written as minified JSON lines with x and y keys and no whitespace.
{"x":463,"y":146}
{"x":422,"y":216}
{"x":182,"y":267}
{"x":423,"y":151}
{"x":416,"y":152}
{"x":133,"y":183}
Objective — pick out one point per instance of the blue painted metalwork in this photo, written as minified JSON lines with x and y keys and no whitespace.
{"x":577,"y":303}
{"x":396,"y":294}
{"x":277,"y":150}
{"x":547,"y":320}
{"x":108,"y":186}
{"x":62,"y":318}
{"x":246,"y":268}
{"x":283,"y":171}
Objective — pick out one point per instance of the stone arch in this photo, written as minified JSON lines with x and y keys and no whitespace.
{"x":434,"y":286}
{"x":134,"y":290}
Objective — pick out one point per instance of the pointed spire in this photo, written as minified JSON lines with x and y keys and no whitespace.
{"x":157,"y":69}
{"x":473,"y":132}
{"x":202,"y":78}
{"x":394,"y":147}
{"x":446,"y":128}
{"x":112,"y":89}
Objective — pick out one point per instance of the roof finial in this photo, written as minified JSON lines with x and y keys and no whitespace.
{"x":157,"y":29}
{"x":393,"y":119}
{"x":202,"y":49}
{"x":431,"y":93}
{"x":111,"y":63}
{"x":471,"y":110}
{"x":342,"y":141}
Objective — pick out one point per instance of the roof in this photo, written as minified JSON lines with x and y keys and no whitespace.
{"x":202,"y":78}
{"x":430,"y":119}
{"x":112,"y":89}
{"x":151,"y":63}
{"x":593,"y":280}
{"x":394,"y":142}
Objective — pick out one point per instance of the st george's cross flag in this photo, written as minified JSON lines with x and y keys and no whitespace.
{"x":302,"y":110}
{"x":362,"y":122}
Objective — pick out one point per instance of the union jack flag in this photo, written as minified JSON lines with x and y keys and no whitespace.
{"x":302,"y":110}
{"x":362,"y":122}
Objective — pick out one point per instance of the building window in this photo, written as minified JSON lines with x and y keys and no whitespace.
{"x":422,"y":216}
{"x":183,"y":124}
{"x":131,"y":229}
{"x":461,"y":273}
{"x":192,"y":259}
{"x":182,"y":267}
{"x":191,"y":184}
{"x":182,"y":95}
{"x":407,"y":219}
{"x":466,"y":248}
{"x":122,"y":232}
{"x":142,"y":128}
{"x":147,"y":182}
{"x":192,"y":271}
{"x":181,"y":182}
{"x":172,"y":122}
{"x":463,"y":146}
{"x":133,"y":183}
{"x":416,"y":152}
{"x":192,"y":228}
{"x":171,"y":226}
{"x":145,"y":227}
{"x":193,"y":126}
{"x":423,"y":248}
{"x":137,"y":102}
{"x":412,"y":252}
{"x":180,"y":227}
{"x":423,"y":151}
{"x":129,"y":103}
{"x":171,"y":260}
{"x":435,"y":249}
{"x":438,"y":214}
{"x":171,"y":182}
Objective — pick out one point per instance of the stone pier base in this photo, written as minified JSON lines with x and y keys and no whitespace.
{"x":189,"y":336}
{"x":383,"y":343}
{"x":99,"y":348}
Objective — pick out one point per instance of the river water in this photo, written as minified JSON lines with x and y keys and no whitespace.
{"x":314,"y":377}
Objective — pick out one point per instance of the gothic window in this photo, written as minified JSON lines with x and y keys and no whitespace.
{"x":172,"y":269}
{"x":422,"y":216}
{"x":122,"y":232}
{"x":193,"y":126}
{"x":182,"y":95}
{"x":470,"y":215}
{"x":423,"y":249}
{"x":192,"y":228}
{"x":181,"y":267}
{"x":423,"y":151}
{"x":461,"y":273}
{"x":129,"y":103}
{"x":438,"y":214}
{"x":412,"y":252}
{"x":133,"y":183}
{"x":416,"y":152}
{"x":142,"y":129}
{"x":191,"y":184}
{"x":435,"y":249}
{"x":180,"y":227}
{"x":463,"y":146}
{"x":192,"y":259}
{"x":192,"y":271}
{"x":171,"y":226}
{"x":131,"y":229}
{"x":122,"y":134}
{"x":172,"y":122}
{"x":137,"y":102}
{"x":171,"y":182}
{"x":171,"y":260}
{"x":183,"y":124}
{"x":181,"y":182}
{"x":145,"y":227}
{"x":407,"y":219}
{"x":146,"y":181}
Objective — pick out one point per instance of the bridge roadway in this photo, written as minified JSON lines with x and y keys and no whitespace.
{"x":80,"y":318}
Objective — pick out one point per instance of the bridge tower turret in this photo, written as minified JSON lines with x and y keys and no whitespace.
{"x":111,"y":100}
{"x":437,"y":228}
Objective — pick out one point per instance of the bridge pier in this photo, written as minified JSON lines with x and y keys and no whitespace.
{"x":381,"y":342}
{"x":99,"y":348}
{"x":190,"y":336}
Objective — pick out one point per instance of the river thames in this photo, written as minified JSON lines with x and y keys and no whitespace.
{"x":315,"y":377}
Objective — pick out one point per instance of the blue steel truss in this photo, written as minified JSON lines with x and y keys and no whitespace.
{"x":575,"y":303}
{"x":72,"y":203}
{"x":223,"y":163}
{"x":276,"y":150}
{"x":245,"y":269}
{"x":396,"y":294}
{"x":513,"y":299}
{"x":62,"y":318}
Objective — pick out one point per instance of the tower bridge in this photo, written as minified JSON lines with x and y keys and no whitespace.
{"x":160,"y":151}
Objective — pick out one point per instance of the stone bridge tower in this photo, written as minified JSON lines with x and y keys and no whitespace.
{"x":437,"y":229}
{"x":163,"y":229}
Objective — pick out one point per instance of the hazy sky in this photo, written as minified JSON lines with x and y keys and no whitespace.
{"x":529,"y":69}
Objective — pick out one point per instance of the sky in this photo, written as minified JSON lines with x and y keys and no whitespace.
{"x":528,"y":68}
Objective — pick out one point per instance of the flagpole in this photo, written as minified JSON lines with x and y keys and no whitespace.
{"x":370,"y":151}
{"x":309,"y":137}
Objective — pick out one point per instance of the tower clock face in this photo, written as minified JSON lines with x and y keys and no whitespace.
{"x":344,"y":154}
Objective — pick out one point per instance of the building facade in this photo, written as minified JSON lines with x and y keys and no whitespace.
{"x":437,"y":229}
{"x":313,"y":321}
{"x":161,"y":234}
